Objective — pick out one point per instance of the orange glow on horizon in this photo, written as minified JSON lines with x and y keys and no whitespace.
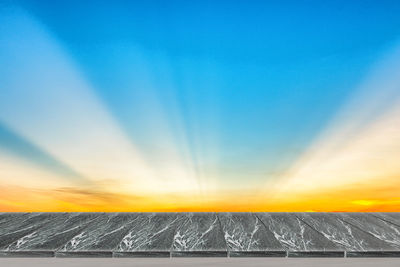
{"x":355,"y":198}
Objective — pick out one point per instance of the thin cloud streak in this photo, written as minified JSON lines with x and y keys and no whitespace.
{"x":15,"y":145}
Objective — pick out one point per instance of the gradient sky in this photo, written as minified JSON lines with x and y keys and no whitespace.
{"x":200,"y":105}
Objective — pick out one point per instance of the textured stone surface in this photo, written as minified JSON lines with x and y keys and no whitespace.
{"x":101,"y":236}
{"x":353,"y":240}
{"x":54,"y":231}
{"x":21,"y":226}
{"x":150,"y":235}
{"x":246,"y":235}
{"x":391,"y":217}
{"x":199,"y":234}
{"x":380,"y":229}
{"x":6,"y":217}
{"x":297,"y":237}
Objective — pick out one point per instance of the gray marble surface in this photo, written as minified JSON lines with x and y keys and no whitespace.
{"x":299,"y":238}
{"x":6,"y":217}
{"x":150,"y":235}
{"x":199,"y":234}
{"x":100,"y":237}
{"x":380,"y":229}
{"x":19,"y":227}
{"x":200,"y":262}
{"x":355,"y":241}
{"x":391,"y":217}
{"x":53,"y":233}
{"x":246,"y":235}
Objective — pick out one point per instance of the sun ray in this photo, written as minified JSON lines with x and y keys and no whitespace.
{"x":55,"y":107}
{"x":360,"y":146}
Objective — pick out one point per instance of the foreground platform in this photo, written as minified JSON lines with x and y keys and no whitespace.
{"x":200,"y":262}
{"x":335,"y":235}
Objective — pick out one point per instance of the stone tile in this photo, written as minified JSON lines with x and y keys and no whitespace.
{"x":151,"y":235}
{"x":299,"y":239}
{"x":380,"y":229}
{"x":6,"y":217}
{"x":52,"y":234}
{"x":391,"y":217}
{"x":355,"y":241}
{"x":20,"y":226}
{"x":199,"y":235}
{"x":246,"y":236}
{"x":100,"y":237}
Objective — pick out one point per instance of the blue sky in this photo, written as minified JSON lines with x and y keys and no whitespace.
{"x":241,"y":88}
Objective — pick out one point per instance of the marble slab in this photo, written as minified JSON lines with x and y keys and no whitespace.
{"x":6,"y":217}
{"x":299,"y":239}
{"x":52,"y":234}
{"x":390,"y":217}
{"x":20,"y":226}
{"x":356,"y":242}
{"x":380,"y":229}
{"x":150,"y":235}
{"x":199,"y":235}
{"x":100,"y":237}
{"x":246,"y":236}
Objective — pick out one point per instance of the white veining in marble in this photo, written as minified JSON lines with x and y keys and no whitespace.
{"x":245,"y":232}
{"x":199,"y":232}
{"x":53,"y":233}
{"x":150,"y":232}
{"x":342,"y":233}
{"x":102,"y":234}
{"x":380,"y":229}
{"x":294,"y":234}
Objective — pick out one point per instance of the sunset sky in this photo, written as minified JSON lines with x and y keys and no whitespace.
{"x":200,"y":105}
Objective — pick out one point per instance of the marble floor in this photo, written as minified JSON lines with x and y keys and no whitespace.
{"x":200,"y":262}
{"x":165,"y":235}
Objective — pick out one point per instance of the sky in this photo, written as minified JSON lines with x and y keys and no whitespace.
{"x":200,"y":105}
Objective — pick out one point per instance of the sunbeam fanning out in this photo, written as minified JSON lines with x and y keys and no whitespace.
{"x":47,"y":100}
{"x":17,"y":146}
{"x":360,"y":149}
{"x":199,"y":105}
